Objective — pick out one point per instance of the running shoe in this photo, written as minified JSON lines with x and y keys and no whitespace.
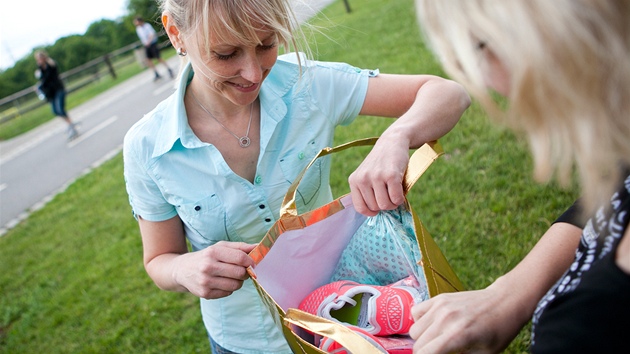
{"x":73,"y":133}
{"x":378,"y":310}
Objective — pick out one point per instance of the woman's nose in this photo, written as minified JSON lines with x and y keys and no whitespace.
{"x":252,"y":69}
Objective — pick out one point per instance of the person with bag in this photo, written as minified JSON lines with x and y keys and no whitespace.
{"x":563,"y":67}
{"x":210,"y":165}
{"x":53,"y":90}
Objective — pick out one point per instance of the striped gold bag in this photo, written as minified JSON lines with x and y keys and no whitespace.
{"x":301,"y":252}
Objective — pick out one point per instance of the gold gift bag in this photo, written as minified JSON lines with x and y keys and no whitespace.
{"x":300,"y":252}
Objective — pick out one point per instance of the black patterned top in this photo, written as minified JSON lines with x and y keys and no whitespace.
{"x":588,"y":309}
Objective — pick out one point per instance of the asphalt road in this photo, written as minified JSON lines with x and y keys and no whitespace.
{"x":36,"y":166}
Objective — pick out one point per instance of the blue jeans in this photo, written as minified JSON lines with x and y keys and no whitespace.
{"x":59,"y":104}
{"x":217,"y":349}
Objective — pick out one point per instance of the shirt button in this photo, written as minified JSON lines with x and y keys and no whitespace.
{"x":262,"y":206}
{"x":301,"y":155}
{"x":197,"y":208}
{"x":258,"y":179}
{"x":268,"y":220}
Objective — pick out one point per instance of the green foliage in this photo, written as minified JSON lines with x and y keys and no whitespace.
{"x":112,"y":34}
{"x":147,"y":9}
{"x":72,"y":51}
{"x":18,"y":77}
{"x":71,"y":274}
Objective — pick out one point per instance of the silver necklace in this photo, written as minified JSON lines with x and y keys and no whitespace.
{"x":243,"y":141}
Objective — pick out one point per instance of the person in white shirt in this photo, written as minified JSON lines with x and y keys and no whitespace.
{"x":149,"y":40}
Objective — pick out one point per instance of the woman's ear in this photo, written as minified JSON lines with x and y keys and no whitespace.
{"x":172,"y":31}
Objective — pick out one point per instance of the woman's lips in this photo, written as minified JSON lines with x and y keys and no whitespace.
{"x":244,"y":87}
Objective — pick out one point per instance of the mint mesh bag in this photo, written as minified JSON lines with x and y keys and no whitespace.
{"x":383,"y":251}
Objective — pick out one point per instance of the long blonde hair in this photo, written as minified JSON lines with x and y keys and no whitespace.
{"x":569,"y":68}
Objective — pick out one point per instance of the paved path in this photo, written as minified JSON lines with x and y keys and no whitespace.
{"x":37,"y":165}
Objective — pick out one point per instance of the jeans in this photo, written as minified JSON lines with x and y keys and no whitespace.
{"x":59,"y":104}
{"x":217,"y":349}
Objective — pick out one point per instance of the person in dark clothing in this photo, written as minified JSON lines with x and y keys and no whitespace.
{"x":52,"y":88}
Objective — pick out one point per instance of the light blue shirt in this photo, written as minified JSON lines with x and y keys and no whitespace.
{"x":169,"y":172}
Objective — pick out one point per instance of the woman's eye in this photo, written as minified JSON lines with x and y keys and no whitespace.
{"x":268,"y":46}
{"x":225,"y":56}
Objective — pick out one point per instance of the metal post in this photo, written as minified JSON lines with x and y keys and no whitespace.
{"x":345,"y":2}
{"x":109,"y":66}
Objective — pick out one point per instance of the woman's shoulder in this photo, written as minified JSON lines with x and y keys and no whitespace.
{"x":299,"y":62}
{"x":144,"y":133}
{"x":293,"y":68}
{"x":284,"y":75}
{"x":289,"y":65}
{"x":295,"y":64}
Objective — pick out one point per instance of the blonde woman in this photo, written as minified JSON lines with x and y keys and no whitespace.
{"x":210,"y":165}
{"x":563,"y":67}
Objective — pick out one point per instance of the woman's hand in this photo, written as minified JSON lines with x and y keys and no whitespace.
{"x":478,"y":321}
{"x":426,"y":107}
{"x":486,"y":321}
{"x":377,"y":182}
{"x":216,"y":271}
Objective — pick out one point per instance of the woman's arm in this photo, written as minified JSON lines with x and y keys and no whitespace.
{"x":211,"y":273}
{"x":486,"y":321}
{"x":427,"y":107}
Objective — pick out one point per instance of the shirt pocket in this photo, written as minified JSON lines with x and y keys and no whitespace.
{"x":293,"y":163}
{"x":205,"y":220}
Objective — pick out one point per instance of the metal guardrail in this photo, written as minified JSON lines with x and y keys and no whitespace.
{"x":26,"y":100}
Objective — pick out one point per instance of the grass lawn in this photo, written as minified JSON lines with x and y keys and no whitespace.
{"x":71,"y":275}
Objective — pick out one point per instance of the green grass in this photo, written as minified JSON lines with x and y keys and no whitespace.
{"x":71,"y":275}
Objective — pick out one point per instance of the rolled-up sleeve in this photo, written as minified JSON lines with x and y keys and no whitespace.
{"x":145,"y":196}
{"x":340,"y":90}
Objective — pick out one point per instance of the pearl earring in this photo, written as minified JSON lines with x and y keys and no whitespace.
{"x":181,"y":52}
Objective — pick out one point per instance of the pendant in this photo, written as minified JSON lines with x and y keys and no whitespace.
{"x":244,"y":141}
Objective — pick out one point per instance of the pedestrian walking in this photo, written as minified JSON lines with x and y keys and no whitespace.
{"x":52,"y":89}
{"x":149,"y":39}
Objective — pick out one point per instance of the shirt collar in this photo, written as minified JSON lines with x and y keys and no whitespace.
{"x":283,"y":76}
{"x":174,"y":123}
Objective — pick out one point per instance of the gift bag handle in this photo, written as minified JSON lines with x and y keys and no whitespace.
{"x":419,"y":161}
{"x":341,"y":334}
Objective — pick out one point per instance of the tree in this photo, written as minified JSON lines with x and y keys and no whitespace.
{"x":116,"y":34}
{"x":18,"y":77}
{"x":147,"y":9}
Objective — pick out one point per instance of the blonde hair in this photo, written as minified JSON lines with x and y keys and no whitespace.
{"x":229,"y":19}
{"x":569,"y":68}
{"x":42,"y":53}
